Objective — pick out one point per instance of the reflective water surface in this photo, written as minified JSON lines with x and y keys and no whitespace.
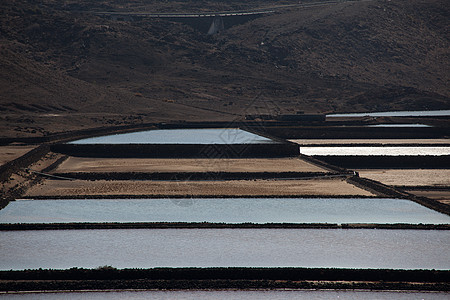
{"x":423,"y":113}
{"x":235,"y":294}
{"x":147,"y":248}
{"x":390,"y":151}
{"x":399,"y":125}
{"x":180,"y":136}
{"x":231,"y":210}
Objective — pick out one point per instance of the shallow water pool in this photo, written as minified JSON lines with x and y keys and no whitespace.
{"x":227,"y":210}
{"x":180,"y":136}
{"x":148,"y":248}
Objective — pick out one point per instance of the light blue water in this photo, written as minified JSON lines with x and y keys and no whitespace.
{"x":399,"y":125}
{"x":235,"y":295}
{"x":423,"y":113}
{"x":180,"y":136}
{"x":148,"y":248}
{"x":232,"y":210}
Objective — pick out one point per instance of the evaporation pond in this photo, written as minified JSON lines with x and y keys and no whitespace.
{"x":231,"y":210}
{"x":180,"y":136}
{"x":230,"y":294}
{"x":400,"y":125}
{"x":388,"y":151}
{"x":148,"y":248}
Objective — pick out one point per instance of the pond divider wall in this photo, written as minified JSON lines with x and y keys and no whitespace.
{"x":16,"y":165}
{"x":107,"y":277}
{"x":23,"y":161}
{"x":390,"y":191}
{"x":208,"y":225}
{"x":356,"y":132}
{"x":323,"y":164}
{"x":178,"y":150}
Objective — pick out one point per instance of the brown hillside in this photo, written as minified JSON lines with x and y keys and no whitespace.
{"x":64,"y":68}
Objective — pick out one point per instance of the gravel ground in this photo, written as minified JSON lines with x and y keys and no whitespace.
{"x":233,"y":188}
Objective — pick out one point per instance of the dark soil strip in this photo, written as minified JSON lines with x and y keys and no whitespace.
{"x":178,"y":150}
{"x":23,"y":161}
{"x":196,"y":175}
{"x":423,"y":188}
{"x":324,"y":164}
{"x":357,"y":132}
{"x":213,"y":284}
{"x":206,"y":225}
{"x":54,"y":165}
{"x":224,"y":278}
{"x":378,"y":188}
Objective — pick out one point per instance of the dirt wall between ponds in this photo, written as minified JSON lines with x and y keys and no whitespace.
{"x":178,"y":150}
{"x":16,"y":165}
{"x":356,"y":132}
{"x":22,"y":162}
{"x":223,"y":278}
{"x":202,"y":225}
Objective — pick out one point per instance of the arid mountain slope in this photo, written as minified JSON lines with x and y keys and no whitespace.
{"x":63,"y":67}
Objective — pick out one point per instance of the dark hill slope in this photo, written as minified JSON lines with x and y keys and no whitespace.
{"x":384,"y":54}
{"x":62,"y":67}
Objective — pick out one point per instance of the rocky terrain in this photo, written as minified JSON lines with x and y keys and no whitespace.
{"x":62,"y":67}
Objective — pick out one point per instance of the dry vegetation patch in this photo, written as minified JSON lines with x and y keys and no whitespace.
{"x":78,"y":164}
{"x":232,"y":188}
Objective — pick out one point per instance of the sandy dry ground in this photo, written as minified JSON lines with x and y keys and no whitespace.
{"x":24,"y":179}
{"x":8,"y":153}
{"x":408,"y":177}
{"x":235,"y":188}
{"x":441,"y":196}
{"x":78,"y":164}
{"x":371,"y":141}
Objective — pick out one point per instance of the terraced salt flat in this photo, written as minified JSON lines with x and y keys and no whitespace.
{"x":180,"y":136}
{"x":148,"y":248}
{"x":227,"y":210}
